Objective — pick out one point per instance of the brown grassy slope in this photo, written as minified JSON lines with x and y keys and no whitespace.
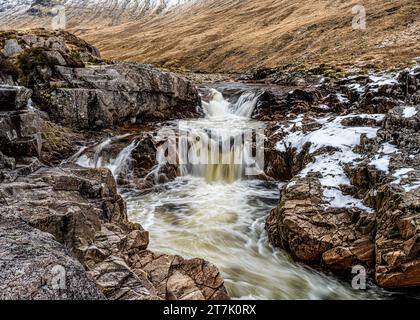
{"x":235,"y":35}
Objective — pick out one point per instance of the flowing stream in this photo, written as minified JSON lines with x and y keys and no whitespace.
{"x":215,"y":211}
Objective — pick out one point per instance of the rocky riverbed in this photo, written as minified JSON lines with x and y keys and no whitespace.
{"x":77,"y":130}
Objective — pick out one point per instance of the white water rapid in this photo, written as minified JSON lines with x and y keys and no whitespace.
{"x":216,"y":212}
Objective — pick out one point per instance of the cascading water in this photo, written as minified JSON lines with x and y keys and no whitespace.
{"x":211,"y":211}
{"x":117,"y":165}
{"x":120,"y":164}
{"x":216,"y":147}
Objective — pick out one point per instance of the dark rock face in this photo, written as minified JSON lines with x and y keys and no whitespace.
{"x":13,"y":97}
{"x":103,"y":96}
{"x":76,"y":88}
{"x":83,"y":211}
{"x":20,"y":132}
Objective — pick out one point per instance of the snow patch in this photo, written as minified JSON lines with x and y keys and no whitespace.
{"x":381,"y":163}
{"x":357,"y":87}
{"x":409,"y":112}
{"x":337,"y":199}
{"x":332,"y":134}
{"x":378,"y":80}
{"x":388,"y":148}
{"x":330,"y":165}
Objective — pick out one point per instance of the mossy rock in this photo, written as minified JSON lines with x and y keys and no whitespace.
{"x":57,"y":143}
{"x":8,"y":68}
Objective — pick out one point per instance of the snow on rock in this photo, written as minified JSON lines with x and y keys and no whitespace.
{"x":337,"y":199}
{"x":342,"y":98}
{"x":381,"y":162}
{"x":11,"y":8}
{"x":401,"y":174}
{"x":378,"y":80}
{"x":332,"y":134}
{"x":409,"y":112}
{"x":330,"y":165}
{"x":388,"y":148}
{"x":413,"y":186}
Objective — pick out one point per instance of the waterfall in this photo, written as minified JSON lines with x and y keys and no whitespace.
{"x":218,"y":147}
{"x":215,"y":148}
{"x":218,"y":107}
{"x":160,"y":159}
{"x":97,"y":160}
{"x":122,"y":161}
{"x":245,"y":105}
{"x":117,"y":165}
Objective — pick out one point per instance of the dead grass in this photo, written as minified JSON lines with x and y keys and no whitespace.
{"x":237,"y":35}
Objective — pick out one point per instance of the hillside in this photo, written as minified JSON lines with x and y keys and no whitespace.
{"x":236,"y":35}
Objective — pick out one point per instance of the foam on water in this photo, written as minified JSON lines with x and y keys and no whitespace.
{"x":212,"y":212}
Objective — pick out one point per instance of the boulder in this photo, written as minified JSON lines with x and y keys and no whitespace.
{"x":11,"y":48}
{"x":20,"y":133}
{"x":178,"y":279}
{"x":336,"y":238}
{"x":122,"y":93}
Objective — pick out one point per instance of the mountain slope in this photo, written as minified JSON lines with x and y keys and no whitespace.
{"x":80,"y":13}
{"x":236,"y":35}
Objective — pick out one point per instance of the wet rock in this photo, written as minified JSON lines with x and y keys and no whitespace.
{"x":119,"y":282}
{"x":178,"y":279}
{"x":336,"y":238}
